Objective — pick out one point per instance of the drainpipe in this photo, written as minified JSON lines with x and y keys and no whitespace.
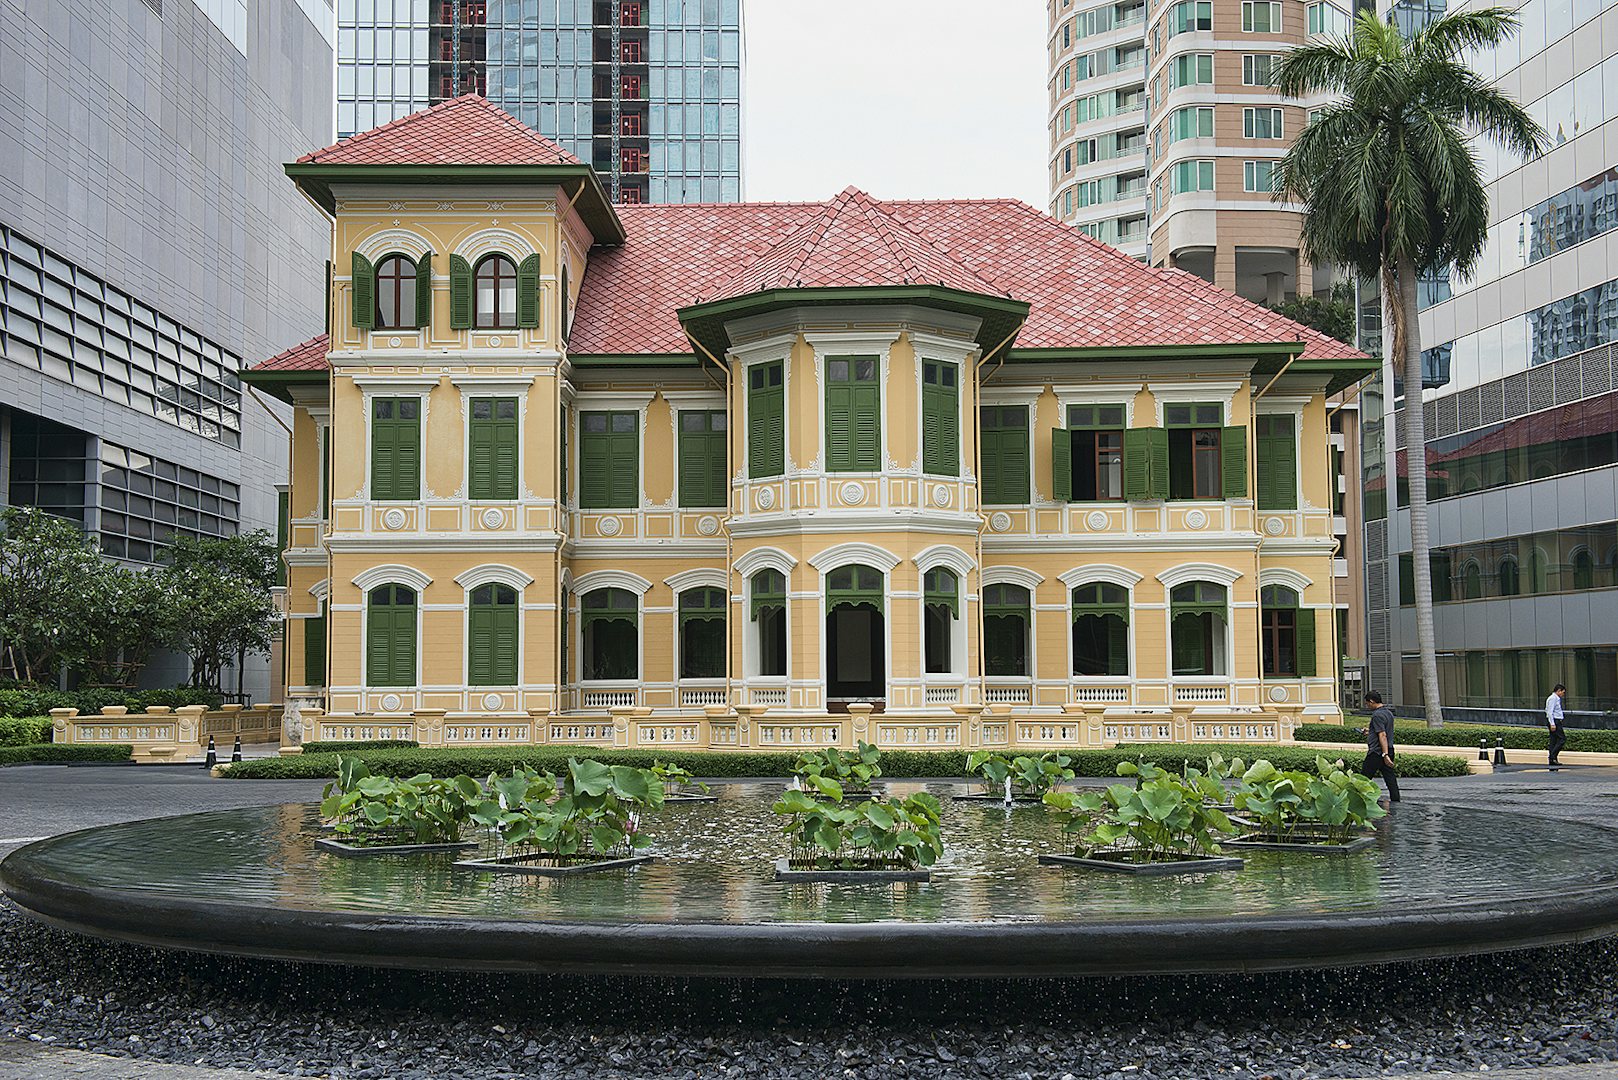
{"x":983,"y":522}
{"x":1252,"y":480}
{"x":730,"y":471}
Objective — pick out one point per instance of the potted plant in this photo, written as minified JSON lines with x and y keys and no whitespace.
{"x":868,"y":840}
{"x":852,"y":773}
{"x":385,"y":815}
{"x":584,"y":821}
{"x":1022,"y":779}
{"x":1325,"y":813}
{"x":679,"y":786}
{"x":1162,"y":824}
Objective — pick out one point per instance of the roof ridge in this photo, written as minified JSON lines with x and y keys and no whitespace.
{"x":488,"y":109}
{"x":942,"y":250}
{"x":816,"y":228}
{"x":887,"y":229}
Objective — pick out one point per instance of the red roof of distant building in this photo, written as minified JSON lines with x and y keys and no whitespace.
{"x":310,"y":356}
{"x":468,"y":130}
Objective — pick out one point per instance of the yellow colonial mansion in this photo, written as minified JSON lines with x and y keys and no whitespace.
{"x":938,"y":473}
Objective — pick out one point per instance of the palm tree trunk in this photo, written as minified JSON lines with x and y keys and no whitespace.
{"x":1407,"y":348}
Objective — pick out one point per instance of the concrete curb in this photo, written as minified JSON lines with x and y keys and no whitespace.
{"x":40,"y":1061}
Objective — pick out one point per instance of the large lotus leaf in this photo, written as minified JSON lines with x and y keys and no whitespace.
{"x":604,"y":838}
{"x":827,"y":787}
{"x":1160,"y":801}
{"x":878,"y":815}
{"x":793,"y":801}
{"x":632,"y":783}
{"x":589,"y":777}
{"x":927,"y":801}
{"x":1261,"y":771}
{"x":1128,"y":768}
{"x":827,"y":835}
{"x":377,"y":813}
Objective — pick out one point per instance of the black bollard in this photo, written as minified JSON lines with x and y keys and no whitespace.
{"x":1499,"y":751}
{"x":236,"y":751}
{"x":212,"y":758}
{"x":1483,"y":749}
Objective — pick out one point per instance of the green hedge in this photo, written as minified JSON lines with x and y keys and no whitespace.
{"x":1516,"y":738}
{"x":24,"y":730}
{"x":895,"y":763}
{"x":338,"y":746}
{"x":18,"y":700}
{"x":63,"y":753}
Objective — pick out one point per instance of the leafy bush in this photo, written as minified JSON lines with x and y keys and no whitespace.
{"x":1466,"y":735}
{"x":919,"y":764}
{"x":828,"y":834}
{"x":64,"y":753}
{"x":24,"y":730}
{"x":1030,"y":776}
{"x":847,"y":771}
{"x":375,"y":810}
{"x":1330,"y":806}
{"x":590,"y":811}
{"x":1163,"y":817}
{"x":24,"y":700}
{"x":340,"y":746}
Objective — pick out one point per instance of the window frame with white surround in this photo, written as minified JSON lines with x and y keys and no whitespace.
{"x":947,"y":686}
{"x":834,"y":558}
{"x":1100,"y":689}
{"x":748,"y":566}
{"x":1010,"y":689}
{"x":704,"y":690}
{"x":618,"y":691}
{"x":368,"y":580}
{"x":1211,"y":689}
{"x":497,"y":575}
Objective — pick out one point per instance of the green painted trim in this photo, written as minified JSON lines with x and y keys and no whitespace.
{"x":275,"y":383}
{"x":316,"y":179}
{"x":875,"y":294}
{"x":634,"y":359}
{"x":1128,"y":352}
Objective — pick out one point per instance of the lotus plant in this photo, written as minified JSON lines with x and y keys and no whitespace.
{"x":372,"y":810}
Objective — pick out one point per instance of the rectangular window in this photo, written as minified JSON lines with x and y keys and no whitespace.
{"x":1191,"y":15}
{"x":940,"y":418}
{"x":492,"y":449}
{"x":396,"y":449}
{"x":1191,"y":123}
{"x":1192,"y":176}
{"x":853,"y":414}
{"x":1261,"y":17}
{"x":1191,"y":69}
{"x":609,"y":460}
{"x":703,"y":452}
{"x":1258,"y":176}
{"x":1259,"y":68}
{"x":1206,"y":459}
{"x":1096,"y":439}
{"x":1327,"y":19}
{"x":1005,"y":454}
{"x":1261,"y":124}
{"x":314,"y":649}
{"x":1276,"y":444}
{"x":766,"y":424}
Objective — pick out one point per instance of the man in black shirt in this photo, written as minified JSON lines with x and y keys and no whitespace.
{"x":1379,"y":745}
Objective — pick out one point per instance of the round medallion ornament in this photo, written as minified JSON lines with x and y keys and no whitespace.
{"x":491,"y":702}
{"x":1097,"y":520}
{"x":853,"y":493}
{"x":610,"y":526}
{"x":999,"y":521}
{"x":940,"y":495}
{"x":1195,"y":519}
{"x":393,"y":519}
{"x":393,"y":341}
{"x":493,"y":518}
{"x":1278,"y":694}
{"x":495,"y":343}
{"x":765,"y":498}
{"x":707,"y":525}
{"x":391,"y":702}
{"x":1274,"y":526}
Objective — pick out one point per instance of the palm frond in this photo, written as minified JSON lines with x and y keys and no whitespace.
{"x":1447,"y":37}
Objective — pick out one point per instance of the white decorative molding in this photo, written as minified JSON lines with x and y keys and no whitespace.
{"x":1278,"y":694}
{"x":941,"y":495}
{"x":494,"y":518}
{"x":1221,"y":391}
{"x":702,"y":577}
{"x":764,"y":558}
{"x":381,"y":244}
{"x":854,"y":551}
{"x":707,"y":525}
{"x":513,"y":245}
{"x":999,"y":521}
{"x":403,"y":385}
{"x":493,"y":385}
{"x":1096,"y":520}
{"x":498,"y":573}
{"x":1179,"y":575}
{"x":393,"y":518}
{"x":1010,"y":575}
{"x":394,"y":342}
{"x":852,"y":493}
{"x":1195,"y":519}
{"x":391,"y":574}
{"x":1282,"y":575}
{"x":765,"y":498}
{"x":391,"y":702}
{"x":321,"y":590}
{"x":609,"y":526}
{"x":491,"y":702}
{"x":610,"y":579}
{"x":944,"y":555}
{"x":1093,"y":572}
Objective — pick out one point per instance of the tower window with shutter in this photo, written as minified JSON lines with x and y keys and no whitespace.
{"x":495,"y":293}
{"x":390,"y":636}
{"x":1206,"y":459}
{"x":1289,"y":633}
{"x":853,"y":414}
{"x":1100,"y":629}
{"x":1277,"y":462}
{"x":395,"y":449}
{"x":491,"y":636}
{"x":1004,"y":435}
{"x":314,"y":649}
{"x":396,"y":293}
{"x":491,"y":451}
{"x":1095,"y":437}
{"x":766,"y":422}
{"x":940,"y":418}
{"x":609,"y":460}
{"x":703,"y":453}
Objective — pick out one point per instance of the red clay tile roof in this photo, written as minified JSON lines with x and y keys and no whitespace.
{"x":310,"y":356}
{"x":468,"y":130}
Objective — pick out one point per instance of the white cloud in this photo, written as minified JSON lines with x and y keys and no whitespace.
{"x":902,"y":98}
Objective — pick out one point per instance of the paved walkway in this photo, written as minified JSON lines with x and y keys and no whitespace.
{"x":37,"y":1061}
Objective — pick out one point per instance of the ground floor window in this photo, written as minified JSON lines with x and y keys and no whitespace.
{"x":856,"y":661}
{"x":1197,"y":622}
{"x":610,"y":624}
{"x":1007,"y":612}
{"x":1100,"y":629}
{"x":769,"y":612}
{"x":941,"y":597}
{"x":390,"y":636}
{"x":1289,"y":633}
{"x":491,"y":638}
{"x":702,"y":634}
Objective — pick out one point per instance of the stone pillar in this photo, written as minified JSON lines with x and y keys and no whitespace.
{"x":188,"y":724}
{"x":541,"y":731}
{"x":620,"y":724}
{"x":430,"y":726}
{"x":293,"y":710}
{"x":60,"y":728}
{"x":308,"y":720}
{"x":1224,"y":267}
{"x":859,"y":716}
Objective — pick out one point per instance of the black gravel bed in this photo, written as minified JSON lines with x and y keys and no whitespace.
{"x":1550,"y":1007}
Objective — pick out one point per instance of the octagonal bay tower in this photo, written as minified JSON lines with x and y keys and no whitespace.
{"x":928,"y":474}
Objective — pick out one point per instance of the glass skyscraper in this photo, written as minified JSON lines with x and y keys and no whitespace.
{"x":647,"y":91}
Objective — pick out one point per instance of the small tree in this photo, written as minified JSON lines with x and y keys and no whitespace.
{"x":132,"y":616}
{"x":222,"y":602}
{"x":1333,"y":316}
{"x":50,"y":582}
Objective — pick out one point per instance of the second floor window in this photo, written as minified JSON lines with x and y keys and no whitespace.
{"x":703,"y":453}
{"x":609,"y":460}
{"x":766,"y":422}
{"x":853,"y":414}
{"x":940,"y":418}
{"x":1196,"y":460}
{"x":396,"y":449}
{"x":1276,"y":452}
{"x":1094,"y":445}
{"x":1004,"y":435}
{"x":495,"y":291}
{"x":491,"y":451}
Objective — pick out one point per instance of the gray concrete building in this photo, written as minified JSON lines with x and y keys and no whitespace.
{"x":1520,"y":374}
{"x":149,"y":245}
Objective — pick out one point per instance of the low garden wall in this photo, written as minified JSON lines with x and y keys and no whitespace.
{"x":161,"y":734}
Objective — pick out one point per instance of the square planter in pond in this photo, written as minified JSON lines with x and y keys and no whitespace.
{"x":347,"y":850}
{"x":1016,"y":800}
{"x":540,"y":865}
{"x":693,"y":797}
{"x":788,"y":873}
{"x":1118,"y":863}
{"x":1267,"y":842}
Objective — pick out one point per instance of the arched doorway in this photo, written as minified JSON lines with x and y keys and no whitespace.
{"x":855,"y":636}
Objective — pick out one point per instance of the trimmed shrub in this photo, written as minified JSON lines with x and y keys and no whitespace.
{"x":64,"y":753}
{"x":919,"y":764}
{"x":338,"y":746}
{"x":1516,"y":738}
{"x":38,"y":701}
{"x":24,"y":730}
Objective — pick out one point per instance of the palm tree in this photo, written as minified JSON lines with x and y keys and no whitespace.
{"x":1391,"y":187}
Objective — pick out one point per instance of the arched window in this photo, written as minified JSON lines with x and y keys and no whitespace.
{"x":610,"y":620}
{"x":390,"y":636}
{"x":856,"y":634}
{"x":769,"y":610}
{"x":1584,"y":569}
{"x":396,"y":277}
{"x":495,"y":291}
{"x":1510,"y":578}
{"x":1472,"y":582}
{"x":1100,"y":629}
{"x":854,"y":586}
{"x":1007,"y":612}
{"x":941,"y":601}
{"x":491,"y":636}
{"x":1289,"y":633}
{"x":702,"y":634}
{"x":1197,"y":621}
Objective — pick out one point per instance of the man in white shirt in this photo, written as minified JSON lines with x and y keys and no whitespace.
{"x":1553,"y":721}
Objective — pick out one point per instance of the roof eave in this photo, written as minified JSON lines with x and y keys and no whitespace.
{"x":278,"y":383}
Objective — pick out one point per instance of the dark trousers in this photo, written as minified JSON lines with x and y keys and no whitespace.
{"x":1374,"y":764}
{"x":1558,"y":740}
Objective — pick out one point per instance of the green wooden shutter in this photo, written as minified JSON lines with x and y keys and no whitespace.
{"x":940,"y":420}
{"x":384,"y":458}
{"x":1277,"y":468}
{"x":480,"y":645}
{"x":314,"y":649}
{"x":403,"y":650}
{"x":1061,"y":465}
{"x":561,"y":484}
{"x":362,"y":287}
{"x":528,"y":292}
{"x":480,"y":456}
{"x":839,"y":427}
{"x":1005,"y":455}
{"x":1158,"y":439}
{"x":595,"y":467}
{"x":701,"y":463}
{"x":1117,"y":646}
{"x":1138,"y":464}
{"x":424,"y":291}
{"x":492,"y":450}
{"x":407,"y":465}
{"x":1306,"y":641}
{"x":378,"y":645}
{"x":866,"y":445}
{"x":1233,"y":452}
{"x":460,"y":293}
{"x":991,"y":452}
{"x":283,"y":515}
{"x":626,"y":467}
{"x":766,"y":430}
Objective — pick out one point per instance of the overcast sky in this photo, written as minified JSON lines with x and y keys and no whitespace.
{"x":904,"y":98}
